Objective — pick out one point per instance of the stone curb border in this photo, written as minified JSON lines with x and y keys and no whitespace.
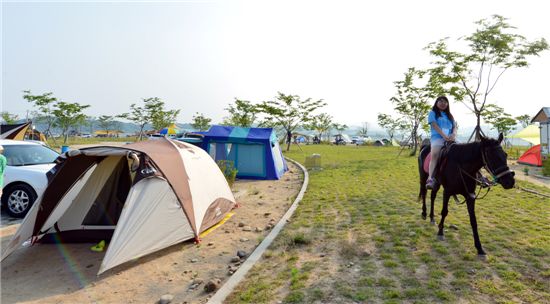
{"x":239,"y":275}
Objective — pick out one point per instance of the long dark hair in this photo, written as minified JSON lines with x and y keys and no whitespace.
{"x":447,"y":110}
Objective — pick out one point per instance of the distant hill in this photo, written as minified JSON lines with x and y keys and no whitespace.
{"x":374,"y":131}
{"x":125,"y":127}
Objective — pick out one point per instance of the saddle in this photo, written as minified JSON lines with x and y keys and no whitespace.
{"x":481,"y":180}
{"x":442,"y":160}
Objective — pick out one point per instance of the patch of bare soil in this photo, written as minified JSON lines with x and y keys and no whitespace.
{"x":66,"y":273}
{"x":534,"y":174}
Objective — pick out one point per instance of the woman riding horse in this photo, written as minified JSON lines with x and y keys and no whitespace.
{"x":457,"y":174}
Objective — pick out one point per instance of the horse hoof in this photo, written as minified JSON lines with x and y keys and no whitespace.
{"x":423,"y":216}
{"x":482,"y":257}
{"x":440,"y":237}
{"x":432,"y":222}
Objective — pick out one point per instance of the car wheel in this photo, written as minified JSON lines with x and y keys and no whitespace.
{"x":18,"y":199}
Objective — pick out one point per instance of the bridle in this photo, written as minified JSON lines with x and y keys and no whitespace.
{"x":496,"y":174}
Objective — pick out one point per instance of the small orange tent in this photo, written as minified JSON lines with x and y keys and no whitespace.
{"x":531,"y":157}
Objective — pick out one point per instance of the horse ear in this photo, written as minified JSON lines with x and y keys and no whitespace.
{"x":500,"y":137}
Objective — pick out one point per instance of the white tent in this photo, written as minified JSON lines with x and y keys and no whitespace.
{"x":143,"y":197}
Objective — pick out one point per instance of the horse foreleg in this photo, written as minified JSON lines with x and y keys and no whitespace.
{"x":471,"y":203}
{"x":433,"y":195}
{"x":444,"y":212}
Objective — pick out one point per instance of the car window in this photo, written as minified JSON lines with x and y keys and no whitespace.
{"x":24,"y":155}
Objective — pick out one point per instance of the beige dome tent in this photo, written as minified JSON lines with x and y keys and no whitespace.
{"x":143,"y":197}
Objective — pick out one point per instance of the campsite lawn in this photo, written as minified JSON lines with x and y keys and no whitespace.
{"x":357,"y":236}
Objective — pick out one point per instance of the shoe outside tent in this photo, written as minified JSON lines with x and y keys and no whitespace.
{"x":143,"y":197}
{"x":255,"y":152}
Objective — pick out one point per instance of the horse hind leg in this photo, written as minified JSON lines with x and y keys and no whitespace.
{"x":422,"y":196}
{"x":433,"y":196}
{"x":444,"y":212}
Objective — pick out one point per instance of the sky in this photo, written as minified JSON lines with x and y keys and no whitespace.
{"x":198,"y":56}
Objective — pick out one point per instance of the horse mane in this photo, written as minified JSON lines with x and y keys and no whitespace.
{"x":469,"y":151}
{"x":465,"y":152}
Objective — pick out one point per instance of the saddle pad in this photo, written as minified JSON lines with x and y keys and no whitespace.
{"x":427,"y":163}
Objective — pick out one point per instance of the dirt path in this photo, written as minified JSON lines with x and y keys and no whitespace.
{"x":535,"y":174}
{"x":67,"y":273}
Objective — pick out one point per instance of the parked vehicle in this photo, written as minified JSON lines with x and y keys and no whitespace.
{"x":357,"y":140}
{"x":25,"y":174}
{"x":155,"y":136}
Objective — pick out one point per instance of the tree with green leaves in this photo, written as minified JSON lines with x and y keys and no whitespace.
{"x":241,"y":114}
{"x":45,"y":103}
{"x":471,"y":76}
{"x":412,"y":102}
{"x":105,"y":123}
{"x":288,"y":112}
{"x":320,"y":124}
{"x":159,"y":117}
{"x":138,"y":115}
{"x":339,"y":127}
{"x":9,"y":118}
{"x":152,"y":112}
{"x":363,"y":130}
{"x":68,"y":115}
{"x":524,"y":120}
{"x":389,"y":124}
{"x":201,"y":122}
{"x":501,"y":121}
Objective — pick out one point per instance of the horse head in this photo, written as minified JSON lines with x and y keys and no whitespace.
{"x":494,"y":160}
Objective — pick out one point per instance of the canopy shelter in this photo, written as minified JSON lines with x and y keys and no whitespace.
{"x":171,"y":130}
{"x":14,"y":131}
{"x":530,"y":134}
{"x":255,"y":152}
{"x":143,"y":197}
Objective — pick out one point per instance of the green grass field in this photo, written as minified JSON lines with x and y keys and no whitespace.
{"x":358,"y":236}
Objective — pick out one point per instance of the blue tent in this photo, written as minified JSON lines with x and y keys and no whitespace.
{"x":255,"y":151}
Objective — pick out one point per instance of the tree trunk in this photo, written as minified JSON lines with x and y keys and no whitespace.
{"x":414,"y":141}
{"x":478,"y":127}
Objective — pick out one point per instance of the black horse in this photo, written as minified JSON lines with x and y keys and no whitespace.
{"x":458,"y":173}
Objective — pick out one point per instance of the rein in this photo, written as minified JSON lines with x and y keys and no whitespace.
{"x":483,"y":183}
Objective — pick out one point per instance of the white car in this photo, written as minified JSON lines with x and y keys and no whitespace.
{"x":155,"y":136}
{"x":25,"y":174}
